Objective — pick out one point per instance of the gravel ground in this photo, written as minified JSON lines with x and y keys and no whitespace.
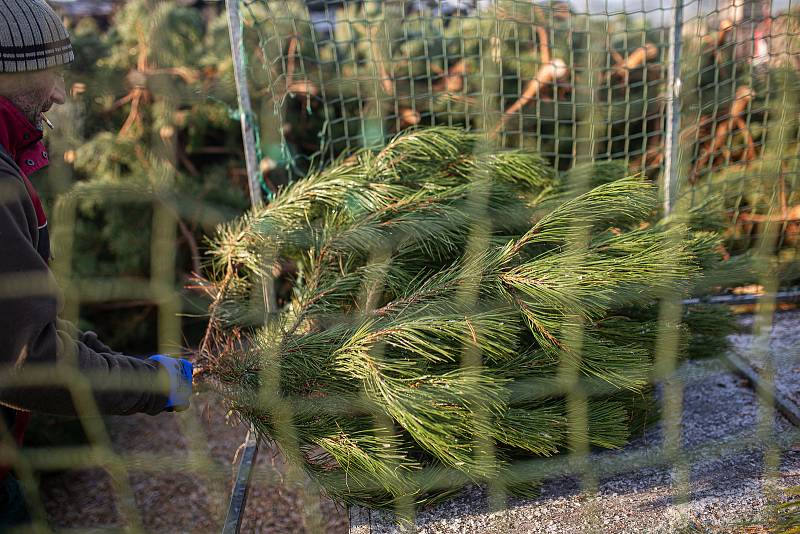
{"x":783,"y":352}
{"x":728,"y":489}
{"x":177,"y":498}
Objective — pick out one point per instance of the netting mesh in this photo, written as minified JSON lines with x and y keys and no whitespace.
{"x":355,"y":75}
{"x":563,"y":79}
{"x":574,"y":82}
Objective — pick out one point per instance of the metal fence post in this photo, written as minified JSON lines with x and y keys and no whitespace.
{"x":669,"y":179}
{"x":241,"y":485}
{"x":233,"y":520}
{"x":245,"y":107}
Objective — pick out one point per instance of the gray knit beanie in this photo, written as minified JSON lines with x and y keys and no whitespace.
{"x":32,"y":37}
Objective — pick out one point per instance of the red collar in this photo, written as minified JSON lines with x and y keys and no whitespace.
{"x":21,"y":139}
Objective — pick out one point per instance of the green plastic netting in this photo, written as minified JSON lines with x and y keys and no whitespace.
{"x":573,"y":81}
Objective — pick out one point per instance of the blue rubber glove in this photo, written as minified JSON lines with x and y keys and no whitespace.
{"x":180,"y":381}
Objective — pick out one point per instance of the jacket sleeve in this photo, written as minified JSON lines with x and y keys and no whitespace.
{"x":88,"y":337}
{"x":32,"y":342}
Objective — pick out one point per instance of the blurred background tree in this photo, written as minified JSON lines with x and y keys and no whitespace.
{"x":149,"y":110}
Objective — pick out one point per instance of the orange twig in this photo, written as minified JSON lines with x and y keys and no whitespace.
{"x":750,"y":151}
{"x":290,"y":62}
{"x":133,"y":117}
{"x":453,"y":80}
{"x":547,"y":74}
{"x":121,"y":102}
{"x":725,"y":28}
{"x":743,"y":97}
{"x":409,"y":117}
{"x":544,"y":45}
{"x":386,"y":80}
{"x":787,"y":215}
{"x":635,"y":60}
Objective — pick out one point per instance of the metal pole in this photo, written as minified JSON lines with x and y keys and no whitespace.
{"x":241,"y":486}
{"x":245,"y":107}
{"x":669,"y":180}
{"x":233,"y":519}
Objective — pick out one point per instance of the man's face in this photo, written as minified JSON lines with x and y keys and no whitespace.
{"x":34,"y":93}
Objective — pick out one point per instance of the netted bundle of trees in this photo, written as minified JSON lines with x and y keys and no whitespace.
{"x":445,"y":298}
{"x":735,"y":92}
{"x":742,"y":120}
{"x":525,"y":71}
{"x":536,"y":75}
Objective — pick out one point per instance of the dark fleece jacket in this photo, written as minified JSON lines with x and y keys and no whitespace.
{"x":33,"y":340}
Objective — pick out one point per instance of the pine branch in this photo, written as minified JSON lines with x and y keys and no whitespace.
{"x":393,"y":376}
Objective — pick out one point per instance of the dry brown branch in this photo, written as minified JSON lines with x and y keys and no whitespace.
{"x":649,"y":162}
{"x":303,"y":87}
{"x":453,"y":80}
{"x":139,"y":89}
{"x":377,"y":56}
{"x":191,"y":242}
{"x":290,"y":62}
{"x":635,"y":60}
{"x":787,"y":215}
{"x":640,"y":56}
{"x":120,"y":102}
{"x":144,"y":51}
{"x":718,"y":39}
{"x":409,"y":117}
{"x":544,"y":45}
{"x":725,"y":28}
{"x":742,"y":99}
{"x":137,"y":94}
{"x":750,"y":151}
{"x":548,"y":73}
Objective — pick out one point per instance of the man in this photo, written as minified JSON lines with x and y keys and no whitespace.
{"x":34,"y":48}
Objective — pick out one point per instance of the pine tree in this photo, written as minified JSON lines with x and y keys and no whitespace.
{"x":438,"y":293}
{"x":147,"y":122}
{"x":536,"y":75}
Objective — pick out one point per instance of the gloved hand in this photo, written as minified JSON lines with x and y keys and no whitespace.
{"x":180,"y":381}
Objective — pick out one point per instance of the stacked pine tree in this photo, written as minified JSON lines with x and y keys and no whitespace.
{"x":443,"y":292}
{"x":522,"y":70}
{"x":548,"y":77}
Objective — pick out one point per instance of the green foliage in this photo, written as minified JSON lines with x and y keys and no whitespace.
{"x":389,"y":66}
{"x":147,"y":123}
{"x":787,"y":514}
{"x":426,"y":322}
{"x":386,"y":67}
